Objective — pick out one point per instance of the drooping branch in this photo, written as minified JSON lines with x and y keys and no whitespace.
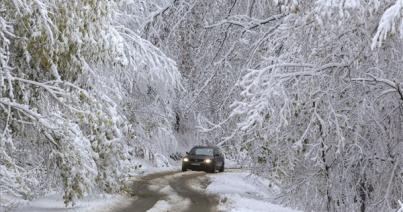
{"x":395,"y":86}
{"x":246,"y":22}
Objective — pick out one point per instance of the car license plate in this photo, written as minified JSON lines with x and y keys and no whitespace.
{"x":195,"y":164}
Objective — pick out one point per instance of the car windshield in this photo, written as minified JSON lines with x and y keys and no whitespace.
{"x":202,"y":151}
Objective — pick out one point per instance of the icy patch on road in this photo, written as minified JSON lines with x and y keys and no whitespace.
{"x":177,"y":202}
{"x":199,"y":183}
{"x":161,"y":205}
{"x":173,"y":201}
{"x":243,"y":192}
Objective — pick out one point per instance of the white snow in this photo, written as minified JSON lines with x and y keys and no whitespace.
{"x":161,"y":205}
{"x":153,"y":170}
{"x":231,"y":164}
{"x":243,"y":192}
{"x":174,"y":202}
{"x":54,"y":202}
{"x":99,"y":202}
{"x":247,"y":204}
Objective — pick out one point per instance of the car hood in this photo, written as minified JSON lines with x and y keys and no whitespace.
{"x":199,"y":157}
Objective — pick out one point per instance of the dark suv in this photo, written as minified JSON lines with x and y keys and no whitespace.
{"x":203,"y":158}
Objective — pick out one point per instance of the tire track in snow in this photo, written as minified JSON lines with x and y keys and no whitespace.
{"x":171,"y":191}
{"x":200,"y":201}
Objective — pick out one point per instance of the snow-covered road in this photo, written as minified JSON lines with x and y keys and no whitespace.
{"x":234,"y":190}
{"x":172,"y":192}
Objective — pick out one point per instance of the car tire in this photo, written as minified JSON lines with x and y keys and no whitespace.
{"x":222,"y":168}
{"x":184,"y":169}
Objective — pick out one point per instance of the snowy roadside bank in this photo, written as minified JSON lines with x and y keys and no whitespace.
{"x":240,"y":191}
{"x":93,"y":202}
{"x":54,"y":202}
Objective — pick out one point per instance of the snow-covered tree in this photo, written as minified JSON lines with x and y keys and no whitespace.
{"x":68,"y":71}
{"x":318,"y":92}
{"x":307,"y":93}
{"x":320,"y":112}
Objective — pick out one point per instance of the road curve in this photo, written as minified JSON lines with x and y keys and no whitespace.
{"x":187,"y":187}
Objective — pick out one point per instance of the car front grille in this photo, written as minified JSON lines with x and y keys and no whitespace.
{"x":196,"y":160}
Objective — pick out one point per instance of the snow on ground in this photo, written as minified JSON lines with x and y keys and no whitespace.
{"x":174,"y":202}
{"x":161,"y":205}
{"x":104,"y":202}
{"x":149,"y":168}
{"x":153,"y":170}
{"x":231,"y":164}
{"x":54,"y":202}
{"x":243,"y":192}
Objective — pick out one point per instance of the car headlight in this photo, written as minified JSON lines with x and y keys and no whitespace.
{"x":207,"y":160}
{"x":185,"y":159}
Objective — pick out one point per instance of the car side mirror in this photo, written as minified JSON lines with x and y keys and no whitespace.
{"x":187,"y":153}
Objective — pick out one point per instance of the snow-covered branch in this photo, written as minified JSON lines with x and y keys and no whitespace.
{"x":68,"y":70}
{"x":396,"y":86}
{"x":390,"y":23}
{"x":246,"y":22}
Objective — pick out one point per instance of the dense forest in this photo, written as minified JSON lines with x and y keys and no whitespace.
{"x":308,"y":94}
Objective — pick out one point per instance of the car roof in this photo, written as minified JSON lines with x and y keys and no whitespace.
{"x":213,"y":147}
